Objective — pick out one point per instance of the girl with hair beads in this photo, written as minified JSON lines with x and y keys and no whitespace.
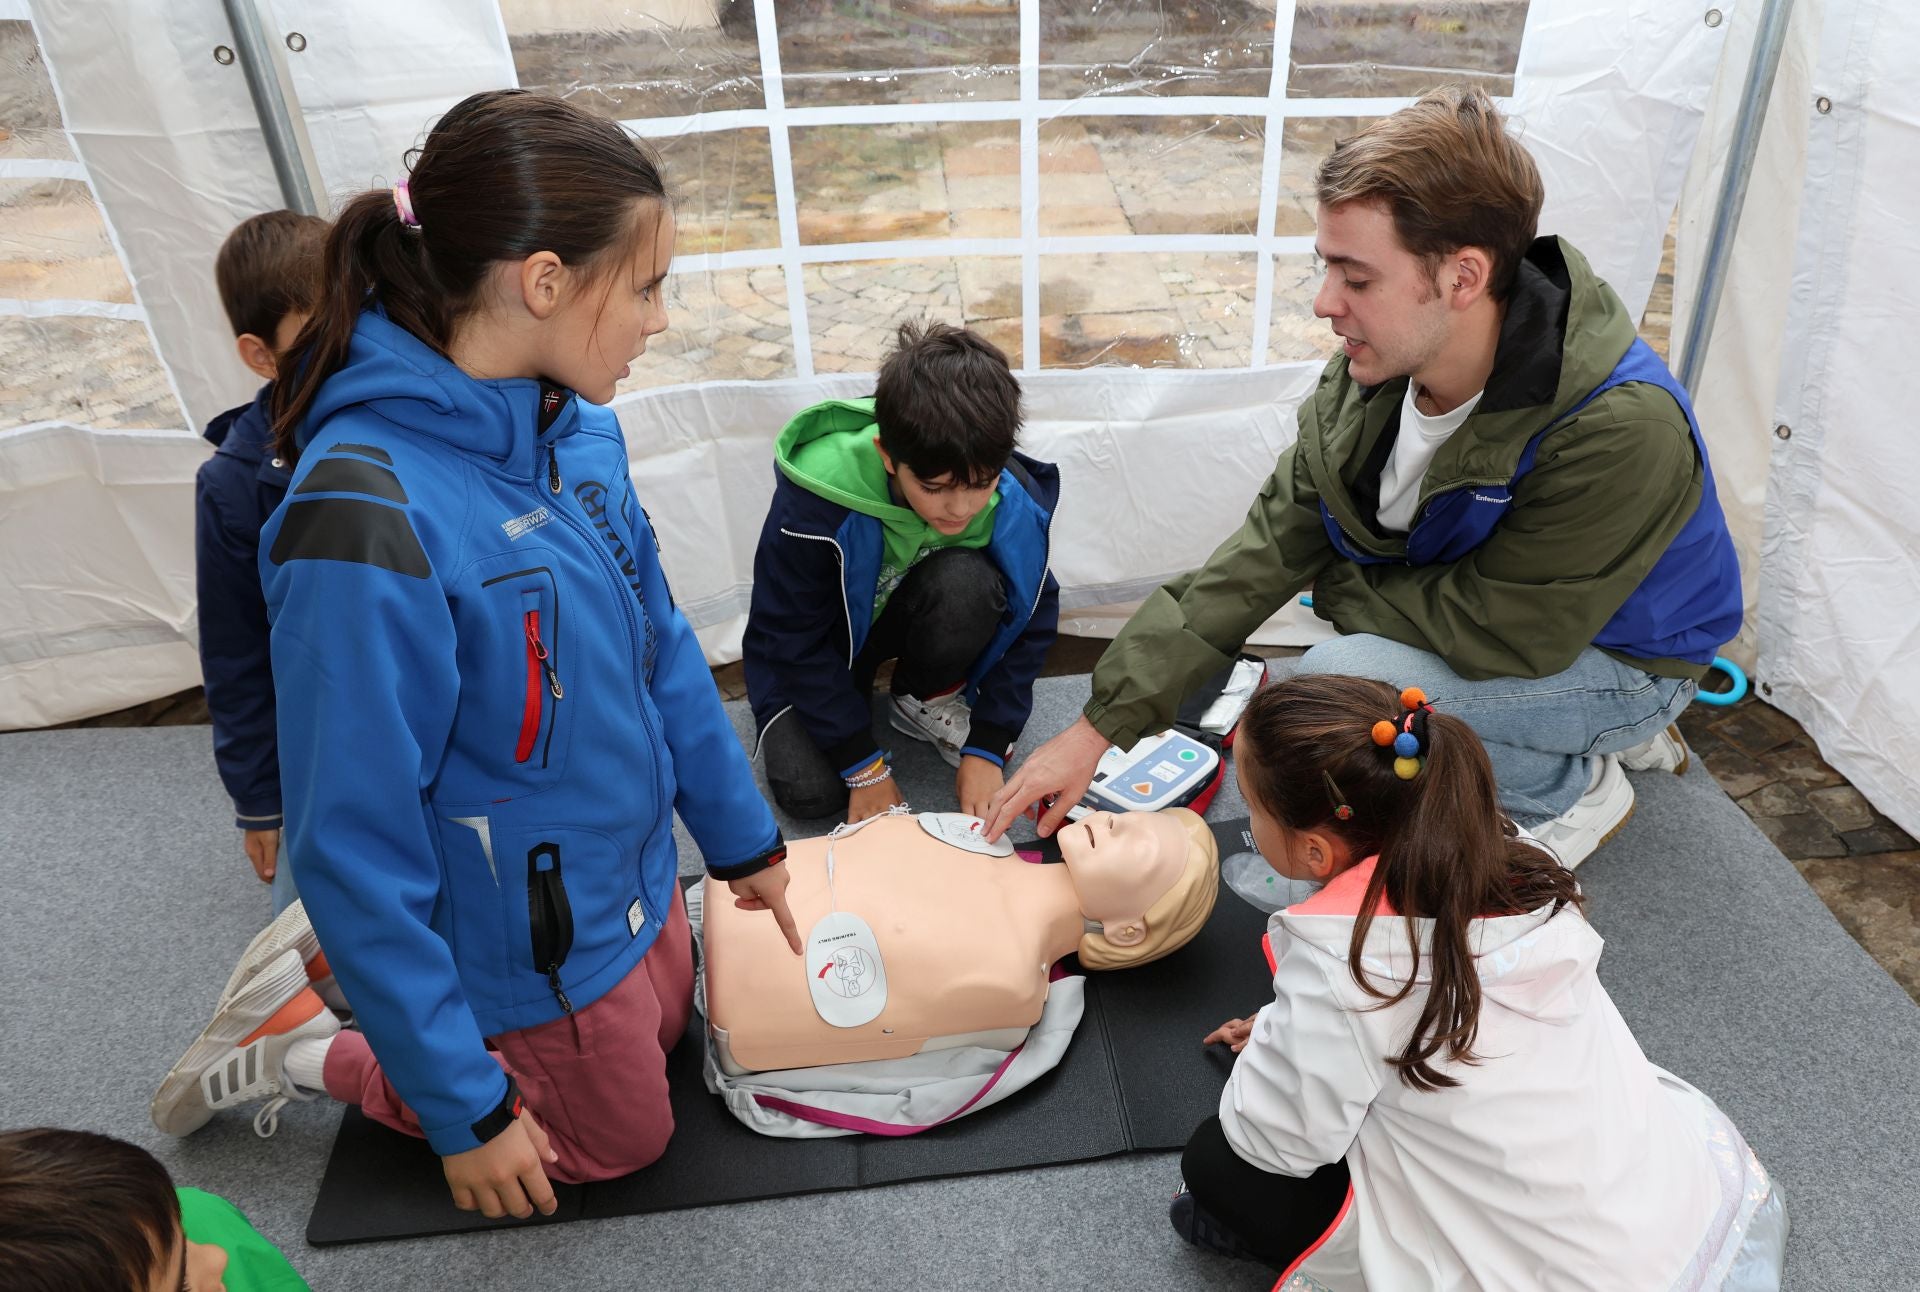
{"x":490,"y":707}
{"x":1441,"y":1093}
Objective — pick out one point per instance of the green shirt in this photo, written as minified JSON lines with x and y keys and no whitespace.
{"x":253,"y":1263}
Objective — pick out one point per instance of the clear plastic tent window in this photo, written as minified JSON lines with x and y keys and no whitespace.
{"x":1116,"y":192}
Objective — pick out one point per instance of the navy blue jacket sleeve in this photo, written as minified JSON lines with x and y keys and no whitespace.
{"x":369,"y":686}
{"x":236,"y":663}
{"x":796,"y":631}
{"x":1004,"y":700}
{"x":714,"y":792}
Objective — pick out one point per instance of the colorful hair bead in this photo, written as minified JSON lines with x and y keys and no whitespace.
{"x":1343,"y":812}
{"x":1406,"y":768}
{"x":1407,"y":745}
{"x":1413,"y":697}
{"x":1384,"y":732}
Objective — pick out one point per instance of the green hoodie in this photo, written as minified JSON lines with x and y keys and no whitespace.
{"x":829,"y":450}
{"x":1611,"y":488}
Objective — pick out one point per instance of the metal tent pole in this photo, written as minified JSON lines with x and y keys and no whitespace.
{"x":270,"y":82}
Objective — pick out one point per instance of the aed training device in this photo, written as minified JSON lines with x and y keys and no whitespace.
{"x":1168,"y":770}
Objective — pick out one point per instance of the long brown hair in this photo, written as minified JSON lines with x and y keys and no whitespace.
{"x":79,"y":1210}
{"x":504,"y":174}
{"x":1447,"y":852}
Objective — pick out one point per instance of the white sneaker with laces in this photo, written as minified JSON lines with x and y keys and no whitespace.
{"x":942,"y":722}
{"x":1575,"y":834}
{"x":240,"y":1056}
{"x":1666,"y":752}
{"x":290,"y":928}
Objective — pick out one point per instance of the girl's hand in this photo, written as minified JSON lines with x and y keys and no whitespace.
{"x":767,"y":891}
{"x":872,"y":800}
{"x":504,"y":1176}
{"x":977,"y":781}
{"x":1235,"y":1032}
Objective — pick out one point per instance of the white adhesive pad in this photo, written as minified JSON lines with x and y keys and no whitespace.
{"x":963,"y":831}
{"x":844,"y":970}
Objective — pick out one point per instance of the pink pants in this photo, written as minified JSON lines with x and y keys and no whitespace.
{"x":595,"y":1080}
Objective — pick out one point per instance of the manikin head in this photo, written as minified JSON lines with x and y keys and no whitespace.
{"x":1148,"y":878}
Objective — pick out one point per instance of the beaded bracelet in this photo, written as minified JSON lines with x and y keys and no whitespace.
{"x":867,"y":777}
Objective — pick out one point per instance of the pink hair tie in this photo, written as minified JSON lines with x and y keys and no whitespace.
{"x":403,"y":203}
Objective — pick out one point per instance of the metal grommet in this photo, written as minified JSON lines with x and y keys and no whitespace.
{"x":296,"y":42}
{"x":223,"y":55}
{"x":1783,"y":432}
{"x":1714,"y":17}
{"x":1823,"y":104}
{"x":1766,"y":688}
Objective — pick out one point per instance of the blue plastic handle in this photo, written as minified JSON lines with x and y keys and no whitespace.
{"x":1735,"y":674}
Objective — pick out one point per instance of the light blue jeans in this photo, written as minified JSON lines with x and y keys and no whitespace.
{"x":284,"y":893}
{"x":1541,"y":733}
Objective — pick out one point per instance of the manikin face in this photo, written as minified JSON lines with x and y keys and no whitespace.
{"x":945,"y":504}
{"x":1379,"y":297}
{"x":604,"y":322}
{"x":1122,"y":863}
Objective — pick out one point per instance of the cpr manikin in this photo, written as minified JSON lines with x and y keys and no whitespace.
{"x":936,"y":944}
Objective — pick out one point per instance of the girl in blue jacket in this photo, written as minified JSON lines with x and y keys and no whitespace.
{"x":489,"y":706}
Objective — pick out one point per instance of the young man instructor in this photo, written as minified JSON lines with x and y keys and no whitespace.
{"x":1497,"y":495}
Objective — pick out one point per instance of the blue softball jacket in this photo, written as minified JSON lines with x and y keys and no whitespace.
{"x":489,"y":711}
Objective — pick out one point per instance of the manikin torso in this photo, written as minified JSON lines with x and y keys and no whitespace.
{"x":967,"y":941}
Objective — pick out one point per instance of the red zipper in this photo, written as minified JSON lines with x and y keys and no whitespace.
{"x":539,"y":669}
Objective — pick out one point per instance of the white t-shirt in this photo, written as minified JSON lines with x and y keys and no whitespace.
{"x":1420,"y":438}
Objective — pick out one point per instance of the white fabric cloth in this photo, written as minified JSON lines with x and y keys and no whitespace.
{"x":1563,"y":1160}
{"x":1420,"y":438}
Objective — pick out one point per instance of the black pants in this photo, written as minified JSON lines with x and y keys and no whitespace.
{"x":935,"y":624}
{"x":1276,"y":1217}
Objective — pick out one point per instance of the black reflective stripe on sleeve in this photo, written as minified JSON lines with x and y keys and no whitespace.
{"x":501,"y":1117}
{"x":350,"y":529}
{"x":364,"y":450}
{"x":348,"y":475}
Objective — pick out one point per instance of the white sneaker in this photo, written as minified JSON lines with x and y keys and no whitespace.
{"x":1666,"y":752}
{"x":241,"y":1054}
{"x":290,"y":929}
{"x":1575,"y":834}
{"x":942,"y":722}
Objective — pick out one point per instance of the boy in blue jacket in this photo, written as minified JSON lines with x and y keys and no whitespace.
{"x":268,"y":274}
{"x":903,"y":527}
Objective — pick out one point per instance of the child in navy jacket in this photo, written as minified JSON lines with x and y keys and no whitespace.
{"x":268,"y":274}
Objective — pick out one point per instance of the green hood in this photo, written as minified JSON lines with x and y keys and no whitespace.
{"x":829,"y":450}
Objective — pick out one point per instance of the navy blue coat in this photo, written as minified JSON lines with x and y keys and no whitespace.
{"x":234,"y":493}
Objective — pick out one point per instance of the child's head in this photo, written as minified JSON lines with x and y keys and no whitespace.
{"x":1324,"y":793}
{"x":530,"y":231}
{"x":948,"y":408}
{"x":268,"y":272}
{"x":79,"y":1210}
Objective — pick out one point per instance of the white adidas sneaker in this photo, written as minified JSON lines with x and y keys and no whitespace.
{"x":1578,"y":832}
{"x":942,"y":722}
{"x":1666,"y":752}
{"x":240,"y":1056}
{"x":290,"y":929}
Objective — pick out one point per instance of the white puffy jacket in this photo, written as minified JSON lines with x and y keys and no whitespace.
{"x":1563,"y":1160}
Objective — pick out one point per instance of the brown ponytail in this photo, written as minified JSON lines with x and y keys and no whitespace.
{"x":504,"y":174}
{"x":1447,"y":852}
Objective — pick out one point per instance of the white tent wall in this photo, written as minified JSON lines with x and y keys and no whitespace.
{"x":1610,"y":97}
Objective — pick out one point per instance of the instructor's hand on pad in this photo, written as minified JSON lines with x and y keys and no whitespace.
{"x":1055,"y":776}
{"x":505,"y":1176}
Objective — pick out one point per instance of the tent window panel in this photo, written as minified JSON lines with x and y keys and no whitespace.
{"x":90,"y":371}
{"x":29,"y":114}
{"x":54,"y":244}
{"x":894,"y":182}
{"x":1403,"y":48}
{"x":854,"y":308}
{"x":1152,"y":175}
{"x":723,"y":325}
{"x":722,"y":182}
{"x":644,"y":58}
{"x":1152,"y":47}
{"x":1304,"y":144}
{"x":898,"y":51}
{"x":1294,"y":333}
{"x":1153,"y":310}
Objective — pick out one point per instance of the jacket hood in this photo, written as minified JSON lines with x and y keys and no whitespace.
{"x":828,"y":450}
{"x":1543,"y":964}
{"x":395,"y":375}
{"x":243,"y":432}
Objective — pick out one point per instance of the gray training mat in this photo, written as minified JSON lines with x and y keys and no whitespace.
{"x":127,"y":900}
{"x":1127,"y":1083}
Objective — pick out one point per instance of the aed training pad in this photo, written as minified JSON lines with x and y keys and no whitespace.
{"x":1136,"y":1078}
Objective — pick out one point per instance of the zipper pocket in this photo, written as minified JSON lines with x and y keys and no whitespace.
{"x":550,"y":916}
{"x":541,"y":677}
